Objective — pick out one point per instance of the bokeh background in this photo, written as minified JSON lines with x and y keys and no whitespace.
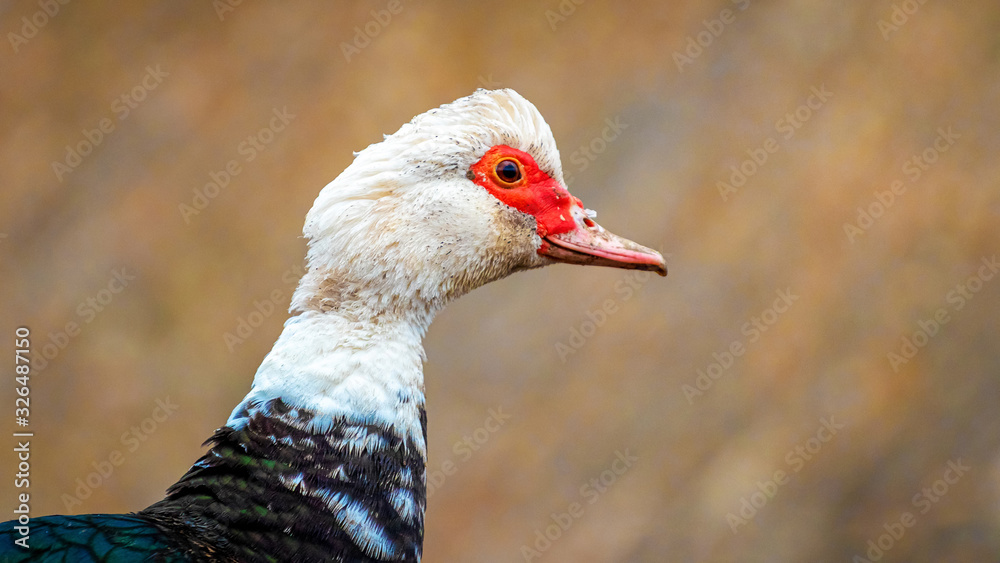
{"x":691,"y":89}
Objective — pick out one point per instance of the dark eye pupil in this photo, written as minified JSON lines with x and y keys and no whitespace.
{"x":508,"y":171}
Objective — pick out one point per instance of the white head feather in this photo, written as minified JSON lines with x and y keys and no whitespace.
{"x":403,"y":226}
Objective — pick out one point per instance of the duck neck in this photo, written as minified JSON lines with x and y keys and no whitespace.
{"x":327,"y":451}
{"x":338,"y":366}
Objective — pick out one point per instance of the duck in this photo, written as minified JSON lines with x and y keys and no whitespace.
{"x":324,"y":459}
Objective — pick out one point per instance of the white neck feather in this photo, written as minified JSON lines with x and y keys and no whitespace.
{"x":368,"y":370}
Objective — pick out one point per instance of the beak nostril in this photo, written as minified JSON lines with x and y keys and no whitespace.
{"x":588,"y":222}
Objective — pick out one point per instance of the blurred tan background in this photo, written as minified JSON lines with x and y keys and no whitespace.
{"x":653,"y":105}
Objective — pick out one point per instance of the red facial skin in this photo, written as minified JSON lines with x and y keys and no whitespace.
{"x":535,"y":193}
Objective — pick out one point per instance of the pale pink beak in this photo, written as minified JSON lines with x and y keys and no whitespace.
{"x":590,"y":244}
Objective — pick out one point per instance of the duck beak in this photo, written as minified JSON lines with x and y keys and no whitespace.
{"x":590,"y":244}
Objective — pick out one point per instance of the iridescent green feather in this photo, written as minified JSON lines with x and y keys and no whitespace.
{"x":108,"y":538}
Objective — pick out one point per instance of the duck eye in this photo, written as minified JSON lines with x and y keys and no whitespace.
{"x":508,"y":171}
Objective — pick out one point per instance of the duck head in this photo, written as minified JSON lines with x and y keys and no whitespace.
{"x":463,"y":195}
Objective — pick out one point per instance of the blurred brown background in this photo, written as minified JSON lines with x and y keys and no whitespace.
{"x":691,"y":89}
